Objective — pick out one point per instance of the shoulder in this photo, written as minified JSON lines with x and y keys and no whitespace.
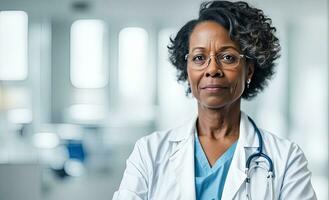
{"x":291,"y":167}
{"x":282,"y":150}
{"x":273,"y":141}
{"x":159,"y":143}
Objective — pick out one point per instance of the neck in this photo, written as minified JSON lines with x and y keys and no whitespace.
{"x":219,"y":123}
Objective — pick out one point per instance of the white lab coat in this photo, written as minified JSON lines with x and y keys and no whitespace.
{"x":161,"y":167}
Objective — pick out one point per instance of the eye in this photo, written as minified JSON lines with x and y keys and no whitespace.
{"x":199,"y":59}
{"x":228,"y":58}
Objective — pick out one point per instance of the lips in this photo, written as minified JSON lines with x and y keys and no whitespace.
{"x":213,"y":87}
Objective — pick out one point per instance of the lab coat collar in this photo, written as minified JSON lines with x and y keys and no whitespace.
{"x":183,"y":132}
{"x":247,"y":135}
{"x":182,"y":158}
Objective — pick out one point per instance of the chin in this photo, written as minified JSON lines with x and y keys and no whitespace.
{"x":216,"y":102}
{"x":213,"y":104}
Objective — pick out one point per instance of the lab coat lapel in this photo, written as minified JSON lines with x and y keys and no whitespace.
{"x":182,"y":161}
{"x":236,"y":174}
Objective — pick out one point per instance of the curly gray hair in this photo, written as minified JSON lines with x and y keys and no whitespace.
{"x":247,"y":26}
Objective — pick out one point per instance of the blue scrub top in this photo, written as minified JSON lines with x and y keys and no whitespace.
{"x":210,"y":181}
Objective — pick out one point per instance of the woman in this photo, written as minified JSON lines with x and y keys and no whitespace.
{"x":226,"y":54}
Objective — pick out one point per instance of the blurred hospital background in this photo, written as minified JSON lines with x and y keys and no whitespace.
{"x":82,"y":80}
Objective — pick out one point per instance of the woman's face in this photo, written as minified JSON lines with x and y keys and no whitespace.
{"x":213,"y":84}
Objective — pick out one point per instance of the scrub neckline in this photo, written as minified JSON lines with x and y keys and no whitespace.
{"x":202,"y":158}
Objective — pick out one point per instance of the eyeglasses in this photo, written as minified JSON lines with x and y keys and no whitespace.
{"x":226,"y":60}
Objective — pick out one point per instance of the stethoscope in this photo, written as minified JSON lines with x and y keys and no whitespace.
{"x":259,"y":154}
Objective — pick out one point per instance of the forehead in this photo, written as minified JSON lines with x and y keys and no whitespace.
{"x":210,"y":35}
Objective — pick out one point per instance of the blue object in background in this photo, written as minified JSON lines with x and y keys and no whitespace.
{"x":76,"y":150}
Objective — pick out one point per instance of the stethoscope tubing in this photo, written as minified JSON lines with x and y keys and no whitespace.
{"x":260,"y":150}
{"x":259,"y":154}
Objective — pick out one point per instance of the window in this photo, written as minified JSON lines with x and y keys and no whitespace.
{"x":88,"y":67}
{"x":133,"y":66}
{"x":13,"y":48}
{"x":87,"y":113}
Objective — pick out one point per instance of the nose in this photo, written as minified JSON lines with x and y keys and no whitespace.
{"x":213,"y":68}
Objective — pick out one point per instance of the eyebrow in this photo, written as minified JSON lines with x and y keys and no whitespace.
{"x":220,"y":49}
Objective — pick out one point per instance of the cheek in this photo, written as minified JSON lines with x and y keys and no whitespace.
{"x":237,"y":87}
{"x":192,"y":81}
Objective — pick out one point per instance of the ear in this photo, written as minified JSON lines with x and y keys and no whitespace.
{"x":250,"y":72}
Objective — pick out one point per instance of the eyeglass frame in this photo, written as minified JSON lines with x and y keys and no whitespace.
{"x":209,"y":58}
